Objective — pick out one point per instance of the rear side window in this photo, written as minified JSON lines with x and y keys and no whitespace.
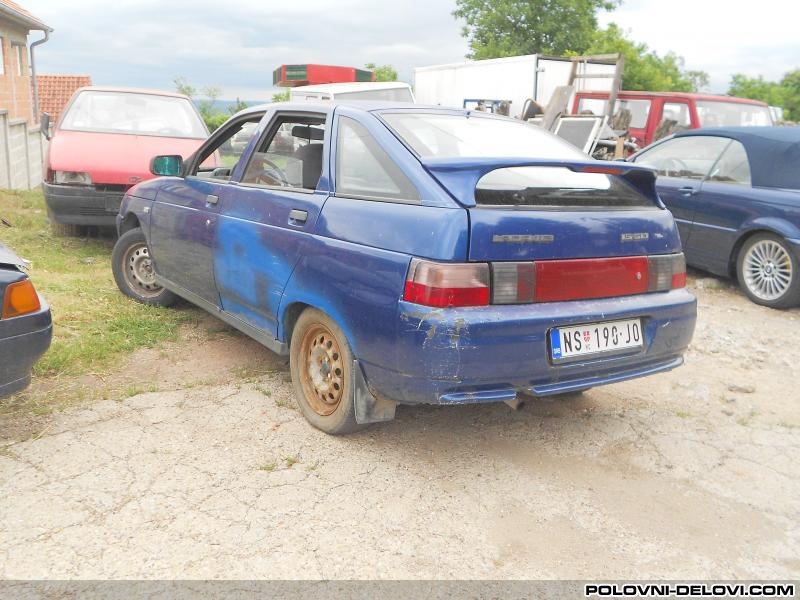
{"x":555,"y":187}
{"x":733,"y":166}
{"x":365,"y":170}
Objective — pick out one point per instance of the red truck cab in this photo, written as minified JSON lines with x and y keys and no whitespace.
{"x":651,"y":111}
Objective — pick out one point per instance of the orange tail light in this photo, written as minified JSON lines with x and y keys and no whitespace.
{"x":20,"y":299}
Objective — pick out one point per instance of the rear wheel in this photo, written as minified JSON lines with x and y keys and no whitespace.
{"x":134,"y":272}
{"x":768,"y":272}
{"x":321,"y":364}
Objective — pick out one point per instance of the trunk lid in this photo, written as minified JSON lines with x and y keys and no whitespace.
{"x":521,"y":209}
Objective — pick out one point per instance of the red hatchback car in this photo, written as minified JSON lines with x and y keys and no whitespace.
{"x":102,"y":145}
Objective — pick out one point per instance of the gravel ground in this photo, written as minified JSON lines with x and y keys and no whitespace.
{"x":689,"y":474}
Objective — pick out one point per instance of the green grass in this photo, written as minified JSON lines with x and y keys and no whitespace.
{"x":95,"y":326}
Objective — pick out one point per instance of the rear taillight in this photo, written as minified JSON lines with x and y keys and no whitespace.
{"x":468,"y":284}
{"x":447,"y":284}
{"x":667,"y":272}
{"x":20,"y":299}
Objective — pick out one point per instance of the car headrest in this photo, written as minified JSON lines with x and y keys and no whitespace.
{"x":308,"y":132}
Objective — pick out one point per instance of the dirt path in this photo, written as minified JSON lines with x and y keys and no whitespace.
{"x":691,"y":474}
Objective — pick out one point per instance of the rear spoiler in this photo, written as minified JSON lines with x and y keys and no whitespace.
{"x":460,"y":176}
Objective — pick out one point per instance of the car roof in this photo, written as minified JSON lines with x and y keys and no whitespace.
{"x":363,"y":105}
{"x":127,"y":90}
{"x":351,"y":86}
{"x":684,"y":95}
{"x":773,"y":152}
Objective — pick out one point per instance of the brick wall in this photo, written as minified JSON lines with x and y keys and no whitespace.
{"x":16,"y":92}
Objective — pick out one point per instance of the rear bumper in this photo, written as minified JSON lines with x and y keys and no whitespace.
{"x":458,"y":356}
{"x":23,"y":340}
{"x":82,"y":204}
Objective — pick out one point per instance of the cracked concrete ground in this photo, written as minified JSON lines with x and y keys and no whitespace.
{"x":687,"y":475}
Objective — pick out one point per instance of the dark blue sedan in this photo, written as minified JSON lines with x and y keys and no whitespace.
{"x":735,"y":194}
{"x":26,"y":326}
{"x":405,"y":254}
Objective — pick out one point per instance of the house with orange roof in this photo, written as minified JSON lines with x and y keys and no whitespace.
{"x":21,"y":142}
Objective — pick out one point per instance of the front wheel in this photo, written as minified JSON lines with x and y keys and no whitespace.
{"x":768,"y":271}
{"x":134,"y":272}
{"x":321,"y":364}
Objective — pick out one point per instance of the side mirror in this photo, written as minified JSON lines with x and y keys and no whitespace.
{"x":44,"y":125}
{"x":169,"y":165}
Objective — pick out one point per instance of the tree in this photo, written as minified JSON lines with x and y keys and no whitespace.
{"x":791,"y":94}
{"x":757,"y":88}
{"x":644,"y":68}
{"x":212,"y":117}
{"x":237,"y":106}
{"x":383,"y":72}
{"x":513,"y":27}
{"x":282,"y":96}
{"x":785,"y":93}
{"x":182,"y":86}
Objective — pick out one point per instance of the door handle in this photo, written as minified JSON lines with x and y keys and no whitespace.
{"x":298,"y":216}
{"x":212,"y":199}
{"x":687,"y":191}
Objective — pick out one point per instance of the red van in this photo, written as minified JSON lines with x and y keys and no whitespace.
{"x":650,"y":112}
{"x":102,"y":145}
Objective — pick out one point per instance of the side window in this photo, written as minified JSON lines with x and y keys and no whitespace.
{"x":364,"y":169}
{"x":689,"y":157}
{"x":218,"y":160}
{"x":290,"y":155}
{"x":20,"y":59}
{"x":675,"y":117}
{"x":733,"y":166}
{"x":2,"y":56}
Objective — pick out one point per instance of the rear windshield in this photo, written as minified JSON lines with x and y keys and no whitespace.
{"x":440,"y":135}
{"x":134,"y":113}
{"x":555,"y":187}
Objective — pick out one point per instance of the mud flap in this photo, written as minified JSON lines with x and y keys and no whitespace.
{"x":369,"y":409}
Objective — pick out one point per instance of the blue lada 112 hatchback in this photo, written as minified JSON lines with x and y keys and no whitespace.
{"x":408,"y":254}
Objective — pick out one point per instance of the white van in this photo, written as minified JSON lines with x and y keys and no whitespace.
{"x":393,"y":91}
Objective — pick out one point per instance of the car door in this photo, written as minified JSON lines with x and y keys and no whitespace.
{"x":184,"y":221}
{"x":682,"y":164}
{"x":266,"y":216}
{"x":724,"y":203}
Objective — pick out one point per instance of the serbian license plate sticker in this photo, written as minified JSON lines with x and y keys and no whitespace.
{"x":595,"y":338}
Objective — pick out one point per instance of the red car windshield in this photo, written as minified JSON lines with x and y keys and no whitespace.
{"x":133,"y":113}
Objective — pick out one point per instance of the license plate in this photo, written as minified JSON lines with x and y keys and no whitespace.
{"x":595,"y":338}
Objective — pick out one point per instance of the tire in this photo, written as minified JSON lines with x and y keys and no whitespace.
{"x":66,"y":229}
{"x":133,"y":270}
{"x":768,"y":271}
{"x":321,"y":364}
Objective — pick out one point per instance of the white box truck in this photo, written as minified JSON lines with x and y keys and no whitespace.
{"x":513,"y":79}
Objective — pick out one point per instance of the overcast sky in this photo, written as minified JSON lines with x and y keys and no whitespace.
{"x":236,"y":44}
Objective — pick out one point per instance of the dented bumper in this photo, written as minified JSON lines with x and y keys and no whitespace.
{"x":489,"y":354}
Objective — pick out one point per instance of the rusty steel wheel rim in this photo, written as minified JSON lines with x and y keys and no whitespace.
{"x":322,"y":370}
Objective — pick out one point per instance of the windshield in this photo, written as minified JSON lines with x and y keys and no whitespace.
{"x":138,"y":114}
{"x":732,"y":114}
{"x":454,"y":135}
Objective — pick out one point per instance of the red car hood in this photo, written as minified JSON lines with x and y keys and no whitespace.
{"x":113,"y":158}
